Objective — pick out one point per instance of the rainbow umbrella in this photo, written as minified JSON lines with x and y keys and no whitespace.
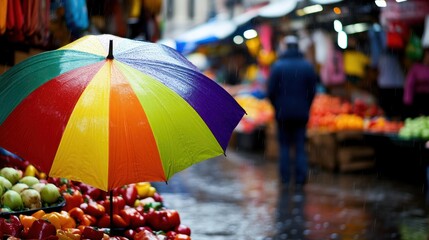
{"x":143,"y":113}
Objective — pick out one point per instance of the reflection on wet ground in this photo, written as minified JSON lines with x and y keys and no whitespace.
{"x":238,"y":197}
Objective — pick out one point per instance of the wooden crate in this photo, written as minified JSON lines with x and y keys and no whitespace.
{"x":340,"y":151}
{"x":322,"y":149}
{"x":353,"y":158}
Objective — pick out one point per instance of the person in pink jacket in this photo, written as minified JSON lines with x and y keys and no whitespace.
{"x":416,"y":89}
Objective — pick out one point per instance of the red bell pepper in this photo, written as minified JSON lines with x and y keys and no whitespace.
{"x":119,"y":222}
{"x":73,"y":199}
{"x":104,"y":221}
{"x":133,"y":217}
{"x":41,"y":229}
{"x":145,"y":235}
{"x":11,"y":226}
{"x":129,"y":193}
{"x":164,"y":220}
{"x":91,"y":191}
{"x":170,"y":235}
{"x":118,"y":204}
{"x":183,"y":229}
{"x":180,"y":236}
{"x":130,"y":233}
{"x":157,"y":197}
{"x":91,"y":234}
{"x":94,"y":209}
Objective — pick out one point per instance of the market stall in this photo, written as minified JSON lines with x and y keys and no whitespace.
{"x":36,"y":207}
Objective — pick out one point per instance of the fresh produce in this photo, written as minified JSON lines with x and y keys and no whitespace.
{"x":382,"y":125}
{"x":415,"y":128}
{"x":10,"y":174}
{"x":19,"y":187}
{"x":50,"y":193}
{"x":11,"y":226}
{"x":258,"y":112}
{"x":137,"y":209}
{"x":333,"y":113}
{"x":38,"y":186}
{"x":5,"y":183}
{"x":41,"y":229}
{"x":29,"y":180}
{"x":31,"y":199}
{"x":12,"y":200}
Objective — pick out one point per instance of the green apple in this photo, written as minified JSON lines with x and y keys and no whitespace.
{"x":10,"y":174}
{"x":29,"y":180}
{"x":5,"y":183}
{"x":50,"y":193}
{"x":19,"y":187}
{"x":12,"y":200}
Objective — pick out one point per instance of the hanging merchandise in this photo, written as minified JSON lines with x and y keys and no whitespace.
{"x":332,"y":69}
{"x":135,"y":9}
{"x":31,"y":11}
{"x":425,"y":38}
{"x":115,"y":19}
{"x":377,"y":43}
{"x":152,"y":6}
{"x":76,"y":15}
{"x":397,"y":31}
{"x":3,"y":15}
{"x":15,"y":21}
{"x":44,"y":19}
{"x":414,"y":50}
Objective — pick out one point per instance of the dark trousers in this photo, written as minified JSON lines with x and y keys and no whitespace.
{"x":291,"y":137}
{"x":390,"y":100}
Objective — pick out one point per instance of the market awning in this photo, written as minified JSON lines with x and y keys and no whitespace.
{"x":219,"y":28}
{"x":209,"y":32}
{"x":278,"y":8}
{"x":326,"y":1}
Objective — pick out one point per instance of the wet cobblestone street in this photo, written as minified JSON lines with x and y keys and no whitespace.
{"x":238,"y":197}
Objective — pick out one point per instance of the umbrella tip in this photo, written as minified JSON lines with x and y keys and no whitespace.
{"x":110,"y":55}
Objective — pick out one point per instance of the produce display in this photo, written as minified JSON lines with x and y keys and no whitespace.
{"x":36,"y":207}
{"x":415,"y":128}
{"x":335,"y":114}
{"x":382,"y":125}
{"x":259,"y":112}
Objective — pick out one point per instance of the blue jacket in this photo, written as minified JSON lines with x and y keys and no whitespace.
{"x":292,"y":86}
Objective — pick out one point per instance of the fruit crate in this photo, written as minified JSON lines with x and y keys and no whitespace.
{"x":342,"y":151}
{"x":322,"y":149}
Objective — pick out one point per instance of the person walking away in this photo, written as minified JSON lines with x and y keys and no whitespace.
{"x":390,"y":81}
{"x":416,"y":89}
{"x":291,"y":89}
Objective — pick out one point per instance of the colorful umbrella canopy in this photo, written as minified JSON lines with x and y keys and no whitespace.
{"x":143,"y":113}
